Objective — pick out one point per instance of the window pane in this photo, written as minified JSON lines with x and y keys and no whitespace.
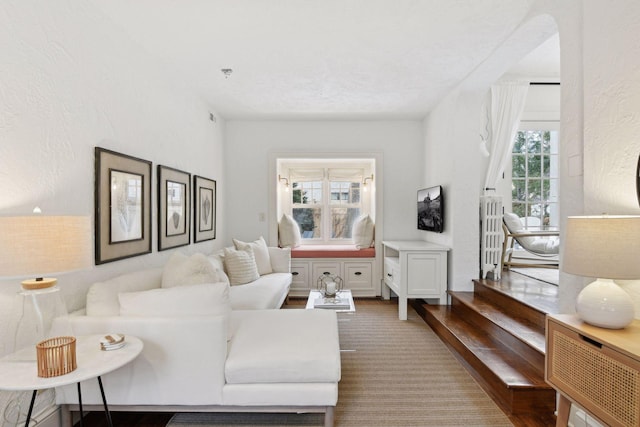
{"x":534,"y":189}
{"x":310,"y":222}
{"x":546,"y":166}
{"x":534,"y":165}
{"x":534,"y":142}
{"x":520,"y":209}
{"x":345,"y":192}
{"x":342,"y":219}
{"x":307,"y":193}
{"x":519,"y":166}
{"x":546,"y":142}
{"x":520,"y":143}
{"x":518,"y":190}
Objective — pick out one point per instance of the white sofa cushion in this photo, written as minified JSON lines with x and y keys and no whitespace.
{"x":280,"y":259}
{"x":102,"y":297}
{"x":362,"y":232}
{"x":266,"y":292}
{"x":311,"y":346}
{"x":240,"y":265}
{"x":289,"y":232}
{"x":207,"y":299}
{"x":216,"y":259}
{"x":260,"y":252}
{"x":181,"y":270}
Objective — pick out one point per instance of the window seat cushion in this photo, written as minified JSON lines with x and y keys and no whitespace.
{"x":332,"y":251}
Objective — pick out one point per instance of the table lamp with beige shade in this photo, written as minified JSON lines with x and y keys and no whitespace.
{"x":606,"y":247}
{"x":32,"y":246}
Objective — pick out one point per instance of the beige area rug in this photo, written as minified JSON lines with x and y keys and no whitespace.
{"x":394,"y":373}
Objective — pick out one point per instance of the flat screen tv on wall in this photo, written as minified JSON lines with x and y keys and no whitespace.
{"x":431,"y":209}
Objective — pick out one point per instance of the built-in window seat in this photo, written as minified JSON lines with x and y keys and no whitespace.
{"x":332,"y":251}
{"x":356,"y":267}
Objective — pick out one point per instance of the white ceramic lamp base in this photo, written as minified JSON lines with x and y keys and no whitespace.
{"x":605,"y":304}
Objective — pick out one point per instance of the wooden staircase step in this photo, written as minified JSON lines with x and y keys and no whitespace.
{"x":524,"y":297}
{"x":510,"y":379}
{"x":516,"y":333}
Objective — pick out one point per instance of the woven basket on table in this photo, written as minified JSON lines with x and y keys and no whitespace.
{"x":56,"y":356}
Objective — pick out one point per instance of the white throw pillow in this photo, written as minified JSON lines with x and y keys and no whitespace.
{"x":102,"y":297}
{"x":183,"y":270}
{"x":206,"y":299}
{"x":260,"y":251}
{"x":240,"y":266}
{"x":362,"y":232}
{"x":280,"y":259}
{"x":216,"y":259}
{"x":289,"y":232}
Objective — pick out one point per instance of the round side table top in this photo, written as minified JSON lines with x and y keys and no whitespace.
{"x":21,"y":373}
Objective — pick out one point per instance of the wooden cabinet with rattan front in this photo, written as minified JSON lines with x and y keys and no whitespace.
{"x":595,"y":368}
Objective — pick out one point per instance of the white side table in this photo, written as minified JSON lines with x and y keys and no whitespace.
{"x":20,"y":375}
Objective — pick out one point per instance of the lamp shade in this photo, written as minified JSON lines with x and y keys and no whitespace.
{"x":36,"y":245}
{"x":604,"y":246}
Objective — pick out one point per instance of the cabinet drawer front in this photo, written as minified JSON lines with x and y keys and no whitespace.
{"x":357,"y":275}
{"x":300,"y":276}
{"x":321,"y":268}
{"x":391,"y":273}
{"x":594,"y":375}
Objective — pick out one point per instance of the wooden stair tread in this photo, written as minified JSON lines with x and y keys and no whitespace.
{"x":519,"y":327}
{"x":536,"y":294}
{"x":508,"y":367}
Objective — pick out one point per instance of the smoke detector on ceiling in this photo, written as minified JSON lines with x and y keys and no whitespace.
{"x":227,"y":72}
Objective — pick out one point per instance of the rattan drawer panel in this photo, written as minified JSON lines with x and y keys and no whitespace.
{"x":597,"y":377}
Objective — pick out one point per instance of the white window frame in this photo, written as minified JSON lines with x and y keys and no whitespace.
{"x":367,"y":198}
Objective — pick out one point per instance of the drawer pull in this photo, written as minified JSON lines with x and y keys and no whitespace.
{"x":591,"y":341}
{"x":389,"y":274}
{"x":295,"y":273}
{"x":326,"y":273}
{"x":357,"y":273}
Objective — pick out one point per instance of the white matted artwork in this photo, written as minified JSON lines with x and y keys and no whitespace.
{"x":204,"y":214}
{"x":173,"y":208}
{"x":122,"y":206}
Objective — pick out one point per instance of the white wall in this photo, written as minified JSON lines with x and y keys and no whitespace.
{"x":249,"y":144}
{"x":72,"y":81}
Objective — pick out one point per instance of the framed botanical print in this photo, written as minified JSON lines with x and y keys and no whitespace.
{"x":174,"y":193}
{"x":122,"y":206}
{"x":204,"y":213}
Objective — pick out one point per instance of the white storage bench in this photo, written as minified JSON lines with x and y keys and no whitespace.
{"x":357,"y":267}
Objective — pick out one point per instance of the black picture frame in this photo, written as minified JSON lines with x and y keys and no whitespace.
{"x":174,"y":202}
{"x":204,"y":212}
{"x":431,"y":209}
{"x":122,"y":206}
{"x":638,"y":181}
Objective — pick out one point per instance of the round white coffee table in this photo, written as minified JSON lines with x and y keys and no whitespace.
{"x":20,"y":374}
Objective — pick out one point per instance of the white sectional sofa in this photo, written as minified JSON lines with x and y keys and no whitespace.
{"x":210,"y":347}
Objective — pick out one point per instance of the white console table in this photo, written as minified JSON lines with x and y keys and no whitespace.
{"x":414,"y":269}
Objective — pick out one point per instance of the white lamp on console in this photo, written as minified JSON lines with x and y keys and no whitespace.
{"x":606,"y":247}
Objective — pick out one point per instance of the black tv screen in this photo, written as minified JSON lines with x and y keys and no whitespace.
{"x":431,"y":209}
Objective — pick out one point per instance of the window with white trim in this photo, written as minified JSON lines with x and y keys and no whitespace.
{"x":325,"y":201}
{"x":534,"y":178}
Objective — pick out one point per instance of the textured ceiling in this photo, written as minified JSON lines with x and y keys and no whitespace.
{"x":298,"y":59}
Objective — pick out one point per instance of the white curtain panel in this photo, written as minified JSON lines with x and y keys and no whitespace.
{"x":507,"y":104}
